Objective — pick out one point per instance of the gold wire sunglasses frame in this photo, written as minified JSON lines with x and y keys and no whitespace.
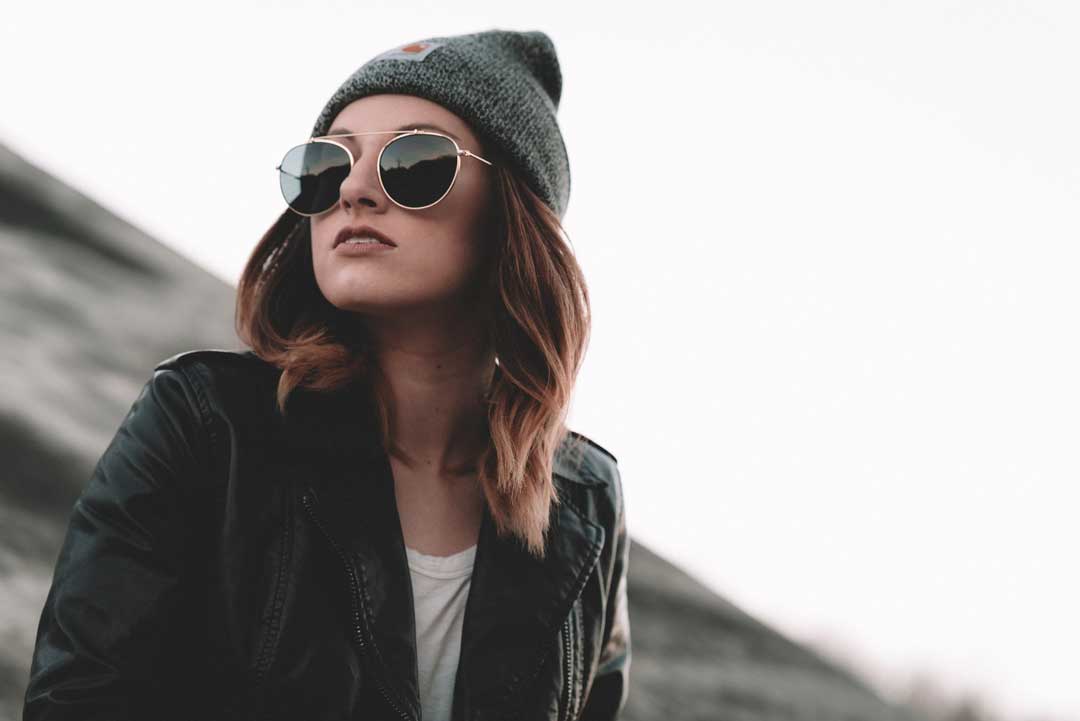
{"x":378,"y":161}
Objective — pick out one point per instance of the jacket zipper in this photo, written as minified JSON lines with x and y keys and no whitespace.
{"x":354,"y":589}
{"x":286,"y":548}
{"x":568,"y":655}
{"x":517,"y":712}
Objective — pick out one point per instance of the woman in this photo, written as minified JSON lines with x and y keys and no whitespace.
{"x":377,"y":511}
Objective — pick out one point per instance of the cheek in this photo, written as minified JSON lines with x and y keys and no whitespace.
{"x":449,"y":264}
{"x":344,"y":280}
{"x":321,"y":233}
{"x":338,"y":276}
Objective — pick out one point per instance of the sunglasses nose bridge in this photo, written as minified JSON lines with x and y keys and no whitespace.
{"x":363,"y":178}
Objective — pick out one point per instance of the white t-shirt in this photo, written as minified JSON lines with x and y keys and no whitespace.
{"x":440,"y":589}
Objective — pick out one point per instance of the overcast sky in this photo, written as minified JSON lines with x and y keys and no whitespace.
{"x":831,"y":248}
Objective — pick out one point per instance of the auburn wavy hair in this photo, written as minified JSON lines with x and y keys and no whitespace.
{"x":539,"y":328}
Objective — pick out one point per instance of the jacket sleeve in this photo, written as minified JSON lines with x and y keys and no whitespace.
{"x":611,"y":686}
{"x":104,"y":645}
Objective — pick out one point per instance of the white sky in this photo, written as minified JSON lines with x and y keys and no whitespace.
{"x":832,"y":254}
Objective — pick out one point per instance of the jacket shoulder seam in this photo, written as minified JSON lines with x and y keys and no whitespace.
{"x":586,"y":461}
{"x":186,"y":363}
{"x":197,"y":354}
{"x":199,"y":389}
{"x":595,"y":445}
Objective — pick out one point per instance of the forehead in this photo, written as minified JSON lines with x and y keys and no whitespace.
{"x":339,"y":129}
{"x":387,"y":111}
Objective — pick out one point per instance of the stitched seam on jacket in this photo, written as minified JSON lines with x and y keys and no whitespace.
{"x":273,"y":632}
{"x":579,"y":660}
{"x":525,"y":681}
{"x":370,"y":621}
{"x":199,"y":390}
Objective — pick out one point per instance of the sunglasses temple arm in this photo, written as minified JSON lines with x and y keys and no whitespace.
{"x":466,"y":152}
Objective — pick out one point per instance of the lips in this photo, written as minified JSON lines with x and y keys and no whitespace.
{"x":357,"y":231}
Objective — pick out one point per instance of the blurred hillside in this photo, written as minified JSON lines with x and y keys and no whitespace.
{"x":92,"y":304}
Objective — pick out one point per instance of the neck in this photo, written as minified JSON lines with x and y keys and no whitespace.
{"x":435,"y":371}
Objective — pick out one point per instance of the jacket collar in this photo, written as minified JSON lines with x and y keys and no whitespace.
{"x":516,"y":602}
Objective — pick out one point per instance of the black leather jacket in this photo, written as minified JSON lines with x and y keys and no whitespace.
{"x":226,"y":562}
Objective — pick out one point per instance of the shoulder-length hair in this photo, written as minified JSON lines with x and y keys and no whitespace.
{"x":539,"y":328}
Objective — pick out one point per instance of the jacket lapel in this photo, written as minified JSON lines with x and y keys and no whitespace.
{"x":359,"y":510}
{"x":348,"y":474}
{"x":516,"y":602}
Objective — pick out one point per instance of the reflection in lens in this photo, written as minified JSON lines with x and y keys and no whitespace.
{"x":417,"y":170}
{"x":311,"y":176}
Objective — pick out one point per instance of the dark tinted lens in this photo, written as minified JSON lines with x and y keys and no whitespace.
{"x":311,"y":175}
{"x":417,"y":170}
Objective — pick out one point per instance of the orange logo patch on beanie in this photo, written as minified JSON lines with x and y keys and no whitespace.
{"x":414,"y":52}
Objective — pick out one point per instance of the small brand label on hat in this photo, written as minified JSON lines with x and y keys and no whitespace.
{"x":414,"y":52}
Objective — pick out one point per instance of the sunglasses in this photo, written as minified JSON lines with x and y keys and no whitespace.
{"x":417,"y":169}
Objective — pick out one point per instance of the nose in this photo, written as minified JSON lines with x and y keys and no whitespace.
{"x":361,"y":186}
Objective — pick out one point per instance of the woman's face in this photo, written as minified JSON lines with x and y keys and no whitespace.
{"x":439,"y":251}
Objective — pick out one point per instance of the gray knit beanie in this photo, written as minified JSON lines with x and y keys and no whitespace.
{"x":505,"y":84}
